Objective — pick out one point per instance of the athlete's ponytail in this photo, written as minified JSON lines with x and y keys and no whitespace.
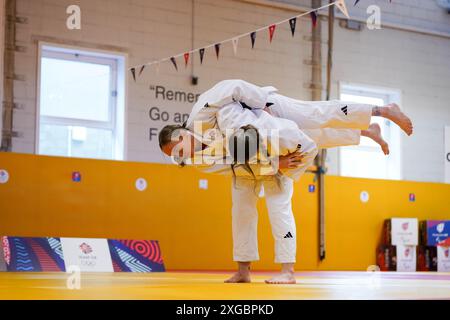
{"x":246,"y":147}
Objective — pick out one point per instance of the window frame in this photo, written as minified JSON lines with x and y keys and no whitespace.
{"x":389,"y":95}
{"x":115,"y":60}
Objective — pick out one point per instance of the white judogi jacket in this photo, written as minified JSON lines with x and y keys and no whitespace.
{"x":221,"y":108}
{"x":226,"y":92}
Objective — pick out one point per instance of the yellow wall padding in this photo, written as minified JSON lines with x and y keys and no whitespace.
{"x":194,"y":225}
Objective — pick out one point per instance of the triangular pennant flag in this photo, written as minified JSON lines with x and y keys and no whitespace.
{"x":174,"y":62}
{"x":293,"y":23}
{"x":341,"y":6}
{"x":235,"y":45}
{"x":272,"y":31}
{"x":217,"y":47}
{"x":142,"y":70}
{"x":202,"y":53}
{"x":253,"y":38}
{"x":186,"y":59}
{"x":314,"y":18}
{"x":133,"y":72}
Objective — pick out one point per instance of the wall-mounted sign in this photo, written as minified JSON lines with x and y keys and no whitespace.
{"x":203,"y":184}
{"x":364,"y":197}
{"x":141,"y":184}
{"x":4,"y":176}
{"x":76,"y":176}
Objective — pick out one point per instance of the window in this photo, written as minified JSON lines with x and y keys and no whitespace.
{"x":367,"y":159}
{"x":81,"y":104}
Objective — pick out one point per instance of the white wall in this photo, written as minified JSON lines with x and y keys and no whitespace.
{"x":416,"y":64}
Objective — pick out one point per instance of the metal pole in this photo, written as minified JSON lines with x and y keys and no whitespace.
{"x":8,"y":76}
{"x":317,"y":95}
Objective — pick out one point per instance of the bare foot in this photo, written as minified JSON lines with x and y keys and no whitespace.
{"x":394,"y":113}
{"x":283,"y":278}
{"x":374,"y":133}
{"x":239,"y":277}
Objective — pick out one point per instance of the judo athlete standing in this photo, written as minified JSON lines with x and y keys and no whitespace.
{"x":299,"y":128}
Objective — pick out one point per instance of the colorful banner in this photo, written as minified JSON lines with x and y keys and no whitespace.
{"x":136,"y":256}
{"x":33,"y":254}
{"x":19,"y":254}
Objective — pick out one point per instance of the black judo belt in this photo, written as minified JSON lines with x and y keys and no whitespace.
{"x":246,"y":106}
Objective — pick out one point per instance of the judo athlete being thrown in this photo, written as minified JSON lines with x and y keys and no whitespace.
{"x":265,"y":139}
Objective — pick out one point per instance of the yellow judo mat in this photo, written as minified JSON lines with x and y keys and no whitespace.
{"x":209,"y":285}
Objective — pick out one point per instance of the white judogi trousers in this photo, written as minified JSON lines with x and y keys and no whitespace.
{"x":328,"y":124}
{"x":245,"y":218}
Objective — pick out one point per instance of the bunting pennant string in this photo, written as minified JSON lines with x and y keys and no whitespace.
{"x":174,"y":61}
{"x":340,"y":4}
{"x":272,"y":31}
{"x":202,"y":53}
{"x":313,"y":15}
{"x":253,"y":38}
{"x":235,"y":45}
{"x":292,"y":24}
{"x":142,"y":70}
{"x":186,"y":59}
{"x":217,"y":47}
{"x":133,"y":72}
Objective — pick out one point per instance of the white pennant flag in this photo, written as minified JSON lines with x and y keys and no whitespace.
{"x":235,"y":45}
{"x":341,"y":6}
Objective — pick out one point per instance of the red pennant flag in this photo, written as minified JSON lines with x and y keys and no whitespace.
{"x":202,"y":53}
{"x":253,"y":38}
{"x":217,"y":47}
{"x":133,"y":72}
{"x":272,"y":31}
{"x":314,"y":18}
{"x":186,"y":59}
{"x":174,"y":62}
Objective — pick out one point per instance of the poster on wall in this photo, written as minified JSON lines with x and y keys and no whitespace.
{"x":447,"y":154}
{"x":90,"y":255}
